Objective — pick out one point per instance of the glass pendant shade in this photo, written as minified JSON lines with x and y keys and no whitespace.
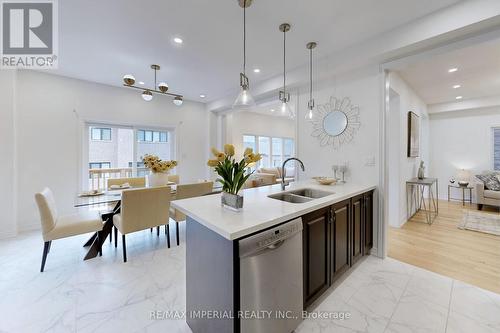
{"x":244,"y":100}
{"x":287,"y":110}
{"x":163,"y":87}
{"x":147,"y":95}
{"x":177,"y":101}
{"x":309,"y":114}
{"x":129,"y":79}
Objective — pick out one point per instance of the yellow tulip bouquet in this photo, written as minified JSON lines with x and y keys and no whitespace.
{"x":156,"y":165}
{"x":232,"y":173}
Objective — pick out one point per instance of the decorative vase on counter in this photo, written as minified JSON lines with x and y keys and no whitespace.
{"x":232,"y":201}
{"x":156,"y":179}
{"x":421,"y":171}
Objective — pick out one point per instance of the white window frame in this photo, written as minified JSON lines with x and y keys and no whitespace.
{"x":85,"y":138}
{"x":271,"y":137}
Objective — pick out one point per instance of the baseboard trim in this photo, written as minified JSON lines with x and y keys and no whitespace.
{"x":29,"y":227}
{"x":8,"y":234}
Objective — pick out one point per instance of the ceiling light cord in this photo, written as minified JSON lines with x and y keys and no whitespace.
{"x":244,"y":37}
{"x":310,"y":74}
{"x":284,"y":62}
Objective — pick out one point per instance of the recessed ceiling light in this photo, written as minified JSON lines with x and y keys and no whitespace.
{"x":456,"y":86}
{"x":272,"y":110}
{"x":459,"y":97}
{"x":452,"y":70}
{"x":203,"y":95}
{"x":178,"y":40}
{"x":141,"y":83}
{"x":256,"y":70}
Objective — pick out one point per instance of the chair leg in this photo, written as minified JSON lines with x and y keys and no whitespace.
{"x":116,"y":236}
{"x":158,"y":231}
{"x":50,"y":243}
{"x":46,"y":247}
{"x":151,"y":229}
{"x":177,"y":231}
{"x":167,"y":232}
{"x":111,"y":235}
{"x":124,"y":249}
{"x":99,"y":242}
{"x":480,"y":206}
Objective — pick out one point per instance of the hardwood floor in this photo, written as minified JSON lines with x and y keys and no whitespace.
{"x":465,"y":255}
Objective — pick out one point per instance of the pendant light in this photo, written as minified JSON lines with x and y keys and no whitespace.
{"x":310,"y":105}
{"x":244,"y":100}
{"x":284,"y":96}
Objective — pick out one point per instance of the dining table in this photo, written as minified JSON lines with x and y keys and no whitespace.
{"x":108,"y":203}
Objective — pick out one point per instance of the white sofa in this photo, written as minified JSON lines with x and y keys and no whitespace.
{"x":486,"y":196}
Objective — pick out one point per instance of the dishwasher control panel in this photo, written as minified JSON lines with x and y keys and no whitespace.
{"x":269,"y":237}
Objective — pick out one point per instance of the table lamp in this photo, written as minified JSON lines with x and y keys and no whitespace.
{"x":463,"y":177}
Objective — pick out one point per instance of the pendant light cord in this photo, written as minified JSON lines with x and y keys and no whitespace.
{"x":284,"y":62}
{"x":310,"y":74}
{"x":244,"y":37}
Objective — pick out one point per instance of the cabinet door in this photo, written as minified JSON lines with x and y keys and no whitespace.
{"x":316,"y":254}
{"x":368,"y":219}
{"x":340,"y":236}
{"x":357,"y":228}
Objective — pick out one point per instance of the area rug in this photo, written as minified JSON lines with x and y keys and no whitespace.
{"x":481,"y":222}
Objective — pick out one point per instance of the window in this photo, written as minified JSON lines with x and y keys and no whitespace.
{"x":274,"y":150}
{"x":99,"y":165}
{"x":151,"y":136}
{"x":100,"y":134}
{"x":123,"y":153}
{"x":496,"y":148}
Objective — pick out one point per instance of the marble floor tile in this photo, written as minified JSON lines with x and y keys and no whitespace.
{"x":106,"y":295}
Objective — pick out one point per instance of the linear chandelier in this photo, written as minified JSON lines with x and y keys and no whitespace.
{"x":147,"y":93}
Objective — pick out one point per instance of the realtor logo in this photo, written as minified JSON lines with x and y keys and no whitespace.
{"x":29,"y":34}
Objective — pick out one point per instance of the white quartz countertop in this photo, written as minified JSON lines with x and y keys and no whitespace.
{"x":259,"y":211}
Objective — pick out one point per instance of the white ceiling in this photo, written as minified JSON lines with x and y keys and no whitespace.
{"x":478,"y":74}
{"x":101,"y":40}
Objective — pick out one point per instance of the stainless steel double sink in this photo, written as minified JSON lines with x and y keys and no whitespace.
{"x":300,"y":195}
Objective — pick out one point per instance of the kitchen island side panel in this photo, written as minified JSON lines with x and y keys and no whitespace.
{"x":211,"y":280}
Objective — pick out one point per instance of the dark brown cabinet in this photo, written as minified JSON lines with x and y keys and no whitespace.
{"x":316,"y":256}
{"x":340,"y":238}
{"x":357,"y":228}
{"x":368,"y":220}
{"x":334,"y":238}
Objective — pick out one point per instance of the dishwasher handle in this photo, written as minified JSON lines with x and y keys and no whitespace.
{"x":269,"y":240}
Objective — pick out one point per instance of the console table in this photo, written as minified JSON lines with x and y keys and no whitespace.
{"x":469,"y":188}
{"x":415,"y":199}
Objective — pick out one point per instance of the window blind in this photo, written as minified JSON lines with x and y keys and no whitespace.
{"x":496,"y":148}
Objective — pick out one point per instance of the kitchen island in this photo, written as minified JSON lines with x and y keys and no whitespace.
{"x":337,"y":228}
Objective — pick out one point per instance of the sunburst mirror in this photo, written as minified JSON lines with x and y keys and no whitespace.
{"x":336,"y":122}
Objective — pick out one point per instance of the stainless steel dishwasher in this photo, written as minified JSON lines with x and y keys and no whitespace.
{"x":271,"y":280}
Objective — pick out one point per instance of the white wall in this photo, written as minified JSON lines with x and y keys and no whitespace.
{"x":363,"y":88}
{"x":462,"y":140}
{"x":408,"y":167}
{"x":7,"y":153}
{"x":50,"y":113}
{"x":241,"y":123}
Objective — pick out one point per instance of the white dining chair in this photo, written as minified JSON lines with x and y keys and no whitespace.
{"x":185,"y":191}
{"x":57,"y":227}
{"x":142,"y":209}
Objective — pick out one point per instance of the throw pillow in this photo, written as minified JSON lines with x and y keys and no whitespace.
{"x":490,"y":181}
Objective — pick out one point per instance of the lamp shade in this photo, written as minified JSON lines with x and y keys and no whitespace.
{"x":244,"y":100}
{"x":147,"y":95}
{"x":463,"y":175}
{"x":177,"y":101}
